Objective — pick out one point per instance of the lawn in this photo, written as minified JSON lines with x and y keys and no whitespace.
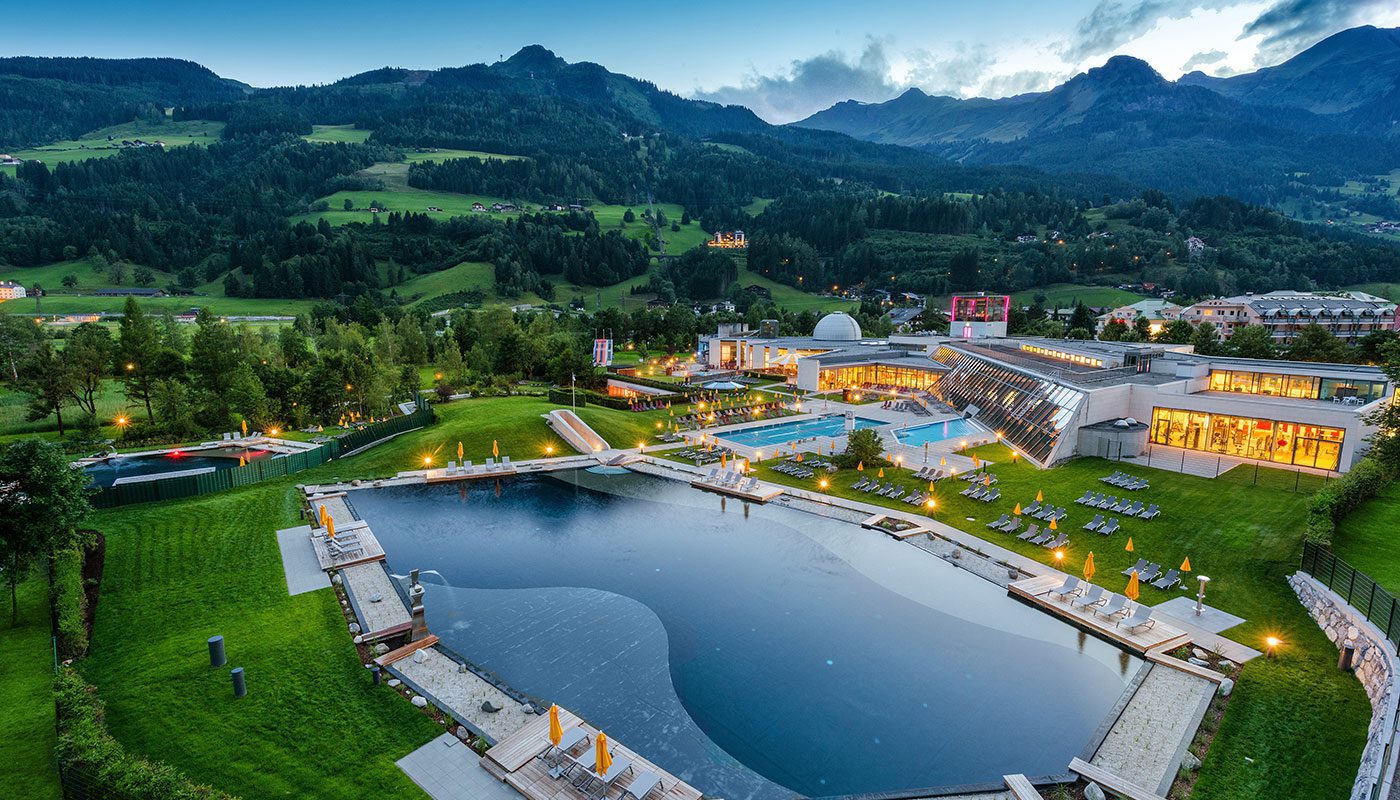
{"x":338,"y":134}
{"x":1066,"y":295}
{"x":26,"y":700}
{"x":428,"y":156}
{"x":97,"y":144}
{"x":794,"y":299}
{"x":50,"y":276}
{"x":1300,"y":720}
{"x":111,"y":399}
{"x":1367,"y":539}
{"x":217,"y":304}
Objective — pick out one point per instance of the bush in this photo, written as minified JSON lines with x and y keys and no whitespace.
{"x":70,"y":599}
{"x":98,"y":762}
{"x":1340,"y":497}
{"x":863,"y":447}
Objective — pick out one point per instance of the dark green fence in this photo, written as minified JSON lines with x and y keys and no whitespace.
{"x":1354,"y":586}
{"x":262,"y":469}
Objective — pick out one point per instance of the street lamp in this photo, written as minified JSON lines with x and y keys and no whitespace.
{"x":823,"y":483}
{"x":1201,"y":593}
{"x":549,"y":450}
{"x":122,"y":422}
{"x":1271,"y":644}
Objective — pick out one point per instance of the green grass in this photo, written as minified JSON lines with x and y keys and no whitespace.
{"x":217,"y":304}
{"x":338,"y":134}
{"x":1367,"y":539}
{"x":1301,"y":721}
{"x":26,"y":700}
{"x":96,"y":144}
{"x":111,"y":399}
{"x":51,"y":276}
{"x":758,"y":206}
{"x":1065,"y":295}
{"x":794,"y":299}
{"x":446,"y":154}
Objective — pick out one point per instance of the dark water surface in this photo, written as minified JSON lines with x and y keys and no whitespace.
{"x":105,"y":473}
{"x":754,"y":655}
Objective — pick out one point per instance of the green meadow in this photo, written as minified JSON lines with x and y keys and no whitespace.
{"x":107,"y":141}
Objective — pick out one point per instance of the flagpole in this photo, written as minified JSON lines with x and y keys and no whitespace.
{"x":573,"y":391}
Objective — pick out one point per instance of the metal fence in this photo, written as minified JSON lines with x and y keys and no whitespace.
{"x":263,"y":469}
{"x":1355,"y":587}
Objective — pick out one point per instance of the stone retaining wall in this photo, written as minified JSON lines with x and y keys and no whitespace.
{"x":1375,"y":666}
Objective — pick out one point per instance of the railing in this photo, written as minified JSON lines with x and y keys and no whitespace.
{"x":263,"y":469}
{"x":1356,"y":587}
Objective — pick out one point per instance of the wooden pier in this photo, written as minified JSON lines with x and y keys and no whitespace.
{"x":513,"y":761}
{"x":1159,"y":637}
{"x":760,"y":494}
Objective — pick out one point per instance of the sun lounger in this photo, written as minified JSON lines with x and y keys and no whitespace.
{"x":1072,"y":585}
{"x":1094,"y":596}
{"x":1172,"y":578}
{"x":994,"y":494}
{"x":999,"y":521}
{"x":898,"y":493}
{"x":1088,"y":495}
{"x":1121,"y":506}
{"x":1012,"y":526}
{"x":554,"y":754}
{"x":1108,"y":503}
{"x":969,"y":490}
{"x":1059,"y":514}
{"x":340,"y":547}
{"x":1134,"y":509}
{"x":1112,"y":607}
{"x":1110,"y":528}
{"x":1141,"y":562}
{"x":505,"y":461}
{"x":1150,"y":573}
{"x":641,"y":786}
{"x":1111,"y":478}
{"x":1046,"y":536}
{"x":1151,"y":512}
{"x":1093,"y":524}
{"x":1141,"y":618}
{"x":1060,"y":541}
{"x":1032,"y":508}
{"x":1031,"y":532}
{"x":860,"y":484}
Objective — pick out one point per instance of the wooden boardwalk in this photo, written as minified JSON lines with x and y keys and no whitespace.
{"x":762,"y":494}
{"x":1160,"y":637}
{"x":513,"y":761}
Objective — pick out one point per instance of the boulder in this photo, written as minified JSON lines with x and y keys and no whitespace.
{"x":395,"y":683}
{"x":1226,"y":686}
{"x":1226,"y":665}
{"x":1189,"y":762}
{"x":380,"y":649}
{"x":489,"y":708}
{"x":376,"y":597}
{"x":336,"y":580}
{"x":359,"y":640}
{"x":1093,"y":792}
{"x":419,"y":701}
{"x":1199,"y":653}
{"x":354,"y":627}
{"x":1200,"y":662}
{"x":418,"y":657}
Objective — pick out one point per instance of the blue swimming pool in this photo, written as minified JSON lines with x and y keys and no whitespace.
{"x":119,"y":467}
{"x":756,"y":652}
{"x":784,"y":432}
{"x":938,"y":432}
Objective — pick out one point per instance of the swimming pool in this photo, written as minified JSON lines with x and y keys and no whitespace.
{"x":939,"y":431}
{"x":784,"y":432}
{"x":754,"y":652}
{"x":107,"y":472}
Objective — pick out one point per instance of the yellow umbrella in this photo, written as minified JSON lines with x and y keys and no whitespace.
{"x":1053,"y":526}
{"x":1132,"y":591}
{"x":242,"y":462}
{"x":799,"y":458}
{"x":976,"y":462}
{"x":722,"y":459}
{"x":244,"y":425}
{"x":987,"y":481}
{"x":1039,"y":496}
{"x":1186,"y":564}
{"x":459,"y":450}
{"x":495,"y":451}
{"x":1089,"y":567}
{"x":330,"y":527}
{"x":1017,"y":510}
{"x":1129,"y":548}
{"x":860,"y":466}
{"x":943,"y":462}
{"x":556,"y":731}
{"x":930,"y":486}
{"x":602,"y":759}
{"x":881,"y":473}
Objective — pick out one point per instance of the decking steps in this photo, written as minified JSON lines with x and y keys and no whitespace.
{"x":1111,"y":783}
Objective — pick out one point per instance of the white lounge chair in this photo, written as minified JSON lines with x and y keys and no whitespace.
{"x":1072,"y":585}
{"x":1141,"y":618}
{"x":1091,"y":598}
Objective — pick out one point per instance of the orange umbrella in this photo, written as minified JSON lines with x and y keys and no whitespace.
{"x":556,"y":731}
{"x":459,"y":450}
{"x":1017,"y":510}
{"x":242,"y":462}
{"x":976,"y":462}
{"x":987,"y":481}
{"x":1129,"y":548}
{"x":244,"y":425}
{"x":1186,"y":564}
{"x":495,"y":451}
{"x":722,"y":460}
{"x":1089,"y":567}
{"x":1132,"y":591}
{"x":323,"y":516}
{"x":1053,"y":526}
{"x":881,"y":473}
{"x":860,"y":466}
{"x":330,"y":527}
{"x":1039,"y":496}
{"x":930,"y":486}
{"x":602,"y":759}
{"x":943,"y":462}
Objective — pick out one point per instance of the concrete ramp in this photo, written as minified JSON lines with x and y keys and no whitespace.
{"x":576,"y":432}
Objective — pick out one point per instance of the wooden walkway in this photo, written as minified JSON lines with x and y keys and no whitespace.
{"x":1160,"y":637}
{"x":762,"y":494}
{"x":513,"y":761}
{"x":1114,"y":785}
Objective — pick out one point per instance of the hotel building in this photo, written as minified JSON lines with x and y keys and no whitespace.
{"x":1347,"y":315}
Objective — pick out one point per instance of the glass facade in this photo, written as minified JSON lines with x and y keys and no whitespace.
{"x":1303,"y":387}
{"x":1247,"y":437}
{"x":864,"y":375}
{"x":1029,"y":411}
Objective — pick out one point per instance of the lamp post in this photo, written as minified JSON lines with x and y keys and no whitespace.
{"x":1201,"y":593}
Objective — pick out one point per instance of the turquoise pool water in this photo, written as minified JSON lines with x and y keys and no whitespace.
{"x":938,"y":432}
{"x":784,"y":432}
{"x":757,"y":652}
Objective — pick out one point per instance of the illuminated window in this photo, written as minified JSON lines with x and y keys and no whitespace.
{"x":1247,"y":437}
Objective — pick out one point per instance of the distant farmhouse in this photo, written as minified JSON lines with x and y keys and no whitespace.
{"x":7,"y":160}
{"x":9,"y":290}
{"x":729,"y":240}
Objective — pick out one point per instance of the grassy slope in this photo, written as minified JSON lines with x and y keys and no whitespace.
{"x":795,"y":299}
{"x":1065,"y":295}
{"x":1300,"y":720}
{"x":218,"y":304}
{"x":337,"y":134}
{"x":1369,"y":539}
{"x":26,"y":703}
{"x":51,"y":276}
{"x":96,"y":145}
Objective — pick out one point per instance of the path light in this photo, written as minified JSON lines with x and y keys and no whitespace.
{"x":549,"y":450}
{"x":130,"y":366}
{"x":1201,"y":593}
{"x":272,"y":431}
{"x":437,"y":376}
{"x":999,"y":435}
{"x":931,"y":504}
{"x":824,"y":483}
{"x":427,"y":461}
{"x":1015,"y":455}
{"x":1272,"y":642}
{"x":1059,"y":556}
{"x":641,"y":447}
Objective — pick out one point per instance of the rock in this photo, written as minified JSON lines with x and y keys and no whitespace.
{"x":395,"y":683}
{"x":380,"y":649}
{"x":489,"y":708}
{"x":1200,"y":662}
{"x":376,"y":597}
{"x":462,"y":669}
{"x":462,"y":733}
{"x":354,"y":627}
{"x":1189,"y":762}
{"x":418,"y":657}
{"x":337,"y":580}
{"x":359,"y":640}
{"x":355,"y":482}
{"x":1093,"y":792}
{"x":1226,"y":665}
{"x":1226,"y":686}
{"x":1199,"y":653}
{"x":420,"y":701}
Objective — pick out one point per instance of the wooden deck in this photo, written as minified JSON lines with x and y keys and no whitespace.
{"x":372,"y":551}
{"x":1021,"y":788}
{"x":1115,"y":785}
{"x":461,"y":474}
{"x":762,"y":494}
{"x":873,"y":523}
{"x":513,"y":761}
{"x":1161,"y":636}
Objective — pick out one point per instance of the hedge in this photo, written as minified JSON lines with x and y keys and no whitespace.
{"x":70,"y":599}
{"x":1340,"y":497}
{"x":93,"y":764}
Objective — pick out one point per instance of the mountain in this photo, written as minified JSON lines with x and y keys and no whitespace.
{"x":1347,"y":71}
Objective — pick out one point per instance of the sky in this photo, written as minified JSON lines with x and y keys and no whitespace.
{"x":784,"y":59}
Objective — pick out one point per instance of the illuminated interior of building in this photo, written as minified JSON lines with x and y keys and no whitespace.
{"x":1305,"y":387}
{"x":886,"y":375}
{"x":1247,"y":437}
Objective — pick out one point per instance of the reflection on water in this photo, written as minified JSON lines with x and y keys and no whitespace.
{"x":105,"y":473}
{"x":755,"y":651}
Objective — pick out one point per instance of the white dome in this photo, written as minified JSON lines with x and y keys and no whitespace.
{"x":837,"y":326}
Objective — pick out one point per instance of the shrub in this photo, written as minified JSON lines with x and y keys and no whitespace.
{"x":1338,"y":498}
{"x":70,"y":599}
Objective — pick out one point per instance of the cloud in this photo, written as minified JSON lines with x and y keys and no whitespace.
{"x":813,"y":84}
{"x":1116,"y":22}
{"x":951,"y":74}
{"x":1026,"y":80}
{"x":1290,"y":26}
{"x":1204,"y":59}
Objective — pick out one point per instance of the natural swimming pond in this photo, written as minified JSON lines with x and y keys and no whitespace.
{"x":755,"y":653}
{"x":781,"y":433}
{"x":119,"y":467}
{"x":938,"y":432}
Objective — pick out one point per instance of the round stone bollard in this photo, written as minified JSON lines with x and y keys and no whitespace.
{"x":216,"y":651}
{"x":240,"y":689}
{"x":378,"y":675}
